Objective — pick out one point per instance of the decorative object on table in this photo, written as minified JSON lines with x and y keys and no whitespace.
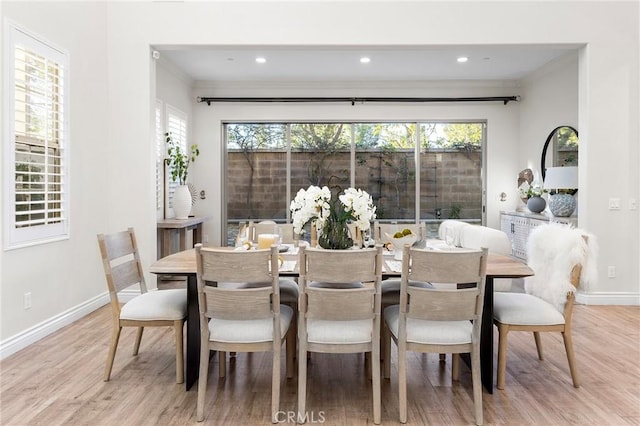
{"x":330,"y":214}
{"x":536,"y":204}
{"x":399,"y":239}
{"x":562,"y":182}
{"x":525,"y":179}
{"x":533,"y":194}
{"x":178,"y":163}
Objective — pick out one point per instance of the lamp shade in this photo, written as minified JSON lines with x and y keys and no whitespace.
{"x":561,"y":178}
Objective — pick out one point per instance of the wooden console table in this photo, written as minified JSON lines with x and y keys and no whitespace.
{"x":168,"y":227}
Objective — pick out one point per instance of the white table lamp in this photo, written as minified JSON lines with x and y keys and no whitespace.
{"x":561,"y":179}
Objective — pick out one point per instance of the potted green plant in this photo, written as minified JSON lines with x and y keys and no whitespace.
{"x":178,"y":162}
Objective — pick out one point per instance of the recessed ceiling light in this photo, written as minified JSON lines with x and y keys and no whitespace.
{"x":261,"y":60}
{"x":365,"y":60}
{"x":462,"y":59}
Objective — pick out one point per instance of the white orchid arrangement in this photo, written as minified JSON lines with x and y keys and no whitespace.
{"x":360,"y":204}
{"x":534,"y":190}
{"x":315,"y":203}
{"x":309,"y":204}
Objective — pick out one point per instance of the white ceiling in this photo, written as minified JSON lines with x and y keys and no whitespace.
{"x":410,"y":63}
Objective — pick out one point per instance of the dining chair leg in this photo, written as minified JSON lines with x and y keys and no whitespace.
{"x":115,"y":336}
{"x":178,"y":327}
{"x":302,"y":382}
{"x":476,"y":383}
{"x":222,"y":364}
{"x":386,"y":352}
{"x":275,"y":380}
{"x":502,"y":354}
{"x":568,"y":346}
{"x":455,"y":366}
{"x":536,"y":337}
{"x":136,"y":346}
{"x":202,"y":379}
{"x":375,"y":377}
{"x":290,"y":350}
{"x":402,"y":381}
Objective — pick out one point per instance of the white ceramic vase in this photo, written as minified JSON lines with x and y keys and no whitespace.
{"x":182,"y":202}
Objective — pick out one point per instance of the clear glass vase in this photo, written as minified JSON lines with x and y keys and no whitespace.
{"x":335,"y":235}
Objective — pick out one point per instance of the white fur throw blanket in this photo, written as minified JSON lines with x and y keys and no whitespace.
{"x":552,"y":251}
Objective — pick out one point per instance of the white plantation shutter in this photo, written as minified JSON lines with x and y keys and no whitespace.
{"x":37,"y":195}
{"x":160,"y":164}
{"x":176,"y":124}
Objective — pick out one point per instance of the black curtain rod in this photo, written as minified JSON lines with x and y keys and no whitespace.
{"x":353,"y":101}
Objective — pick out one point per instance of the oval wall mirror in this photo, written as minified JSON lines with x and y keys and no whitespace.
{"x":560,"y":149}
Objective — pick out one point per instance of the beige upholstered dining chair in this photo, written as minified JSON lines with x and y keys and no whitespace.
{"x":162,"y":308}
{"x":452,"y":227}
{"x":339,"y":319}
{"x":496,"y":241}
{"x":234,"y":319}
{"x":557,"y":254}
{"x":438,"y":320}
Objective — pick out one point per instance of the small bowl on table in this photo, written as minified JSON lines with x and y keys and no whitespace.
{"x":399,"y":243}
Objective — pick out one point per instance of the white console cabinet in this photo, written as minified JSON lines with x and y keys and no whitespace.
{"x":518,"y":225}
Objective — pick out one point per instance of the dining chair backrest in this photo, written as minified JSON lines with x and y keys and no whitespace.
{"x":121,"y":262}
{"x":477,"y":236}
{"x":380,"y":230}
{"x":340,"y":266}
{"x":221,"y":265}
{"x":558,"y":254}
{"x":454,"y":227}
{"x":288,"y":234}
{"x":262,"y":227}
{"x":462,"y":267}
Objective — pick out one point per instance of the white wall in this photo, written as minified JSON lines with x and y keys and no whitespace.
{"x":549,"y":100}
{"x":174,"y":87}
{"x":113,"y":77}
{"x":66,"y":275}
{"x":502,"y":125}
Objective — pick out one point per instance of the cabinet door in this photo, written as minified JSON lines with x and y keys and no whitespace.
{"x":506,"y":226}
{"x":520,"y":233}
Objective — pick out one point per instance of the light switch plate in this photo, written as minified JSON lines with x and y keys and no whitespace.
{"x":614,"y":203}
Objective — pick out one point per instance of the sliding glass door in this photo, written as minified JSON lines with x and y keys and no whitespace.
{"x":415,"y":171}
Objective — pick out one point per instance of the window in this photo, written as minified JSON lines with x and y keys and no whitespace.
{"x":176,"y":125}
{"x":160,"y":150}
{"x":414,"y":171}
{"x":36,"y":157}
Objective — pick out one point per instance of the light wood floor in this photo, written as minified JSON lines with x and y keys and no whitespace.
{"x":58,"y":381}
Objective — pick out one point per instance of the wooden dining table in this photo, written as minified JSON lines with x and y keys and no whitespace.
{"x":184,"y":263}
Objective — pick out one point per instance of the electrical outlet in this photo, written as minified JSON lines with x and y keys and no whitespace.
{"x":611,"y":271}
{"x":633,"y":204}
{"x":205,"y":239}
{"x":27,"y":300}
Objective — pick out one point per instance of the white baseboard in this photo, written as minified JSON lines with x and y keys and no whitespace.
{"x":629,"y":299}
{"x":27,"y":337}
